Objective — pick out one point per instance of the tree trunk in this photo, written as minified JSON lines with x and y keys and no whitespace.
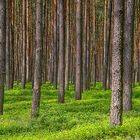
{"x":38,"y":61}
{"x":78,"y":49}
{"x":88,"y":47}
{"x":24,"y":43}
{"x":117,"y":64}
{"x":27,"y":44}
{"x":61,"y":53}
{"x":55,"y":45}
{"x":2,"y":51}
{"x":67,"y":70}
{"x":107,"y":45}
{"x":128,"y":53}
{"x":94,"y":43}
{"x":85,"y":47}
{"x":7,"y":47}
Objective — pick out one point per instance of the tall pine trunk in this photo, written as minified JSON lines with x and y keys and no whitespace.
{"x":78,"y":49}
{"x":117,"y":64}
{"x":38,"y":61}
{"x":107,"y":45}
{"x":61,"y":53}
{"x":94,"y":43}
{"x":23,"y":43}
{"x":128,"y":53}
{"x":55,"y":45}
{"x":7,"y":47}
{"x":67,"y":70}
{"x":85,"y":47}
{"x":2,"y":51}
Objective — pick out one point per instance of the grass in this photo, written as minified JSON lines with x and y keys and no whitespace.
{"x":87,"y":119}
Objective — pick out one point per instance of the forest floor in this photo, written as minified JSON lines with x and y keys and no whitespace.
{"x":87,"y":119}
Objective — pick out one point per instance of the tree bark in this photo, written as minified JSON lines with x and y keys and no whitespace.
{"x":85,"y":47}
{"x":61,"y":53}
{"x":55,"y":45}
{"x":23,"y":43}
{"x":7,"y":47}
{"x":94,"y":43}
{"x":88,"y":46}
{"x":128,"y":53}
{"x":27,"y":43}
{"x":2,"y":51}
{"x":78,"y":49}
{"x":38,"y":62}
{"x":107,"y":45}
{"x":67,"y":70}
{"x":117,"y":64}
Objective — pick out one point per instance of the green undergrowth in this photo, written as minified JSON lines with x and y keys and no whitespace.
{"x":87,"y":119}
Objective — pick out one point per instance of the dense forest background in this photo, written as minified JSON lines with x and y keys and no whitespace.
{"x":73,"y":50}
